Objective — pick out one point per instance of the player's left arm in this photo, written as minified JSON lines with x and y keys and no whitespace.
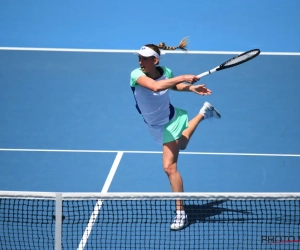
{"x":198,"y":89}
{"x":182,"y":87}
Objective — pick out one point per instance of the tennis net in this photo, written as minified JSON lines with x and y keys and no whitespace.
{"x":142,"y":221}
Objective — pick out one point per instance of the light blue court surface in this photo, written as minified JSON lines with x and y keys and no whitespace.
{"x":128,"y":24}
{"x":66,"y":115}
{"x":69,"y":123}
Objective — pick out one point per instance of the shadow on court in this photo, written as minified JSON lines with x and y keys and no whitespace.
{"x":210,"y":212}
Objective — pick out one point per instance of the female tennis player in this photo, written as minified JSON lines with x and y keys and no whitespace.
{"x":169,"y":125}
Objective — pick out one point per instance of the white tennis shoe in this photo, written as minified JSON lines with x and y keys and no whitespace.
{"x":208,"y":111}
{"x":179,"y":222}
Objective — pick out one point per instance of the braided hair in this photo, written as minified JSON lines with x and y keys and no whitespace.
{"x":182,"y":45}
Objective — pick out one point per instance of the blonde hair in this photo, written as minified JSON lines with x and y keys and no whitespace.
{"x":182,"y":45}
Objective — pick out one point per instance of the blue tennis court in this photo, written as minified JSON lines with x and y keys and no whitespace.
{"x":79,"y":169}
{"x":69,"y":125}
{"x":57,"y":101}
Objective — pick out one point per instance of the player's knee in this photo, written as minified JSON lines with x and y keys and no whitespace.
{"x":170,"y":168}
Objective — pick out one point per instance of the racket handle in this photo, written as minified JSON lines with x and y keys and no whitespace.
{"x":208,"y":72}
{"x":204,"y":74}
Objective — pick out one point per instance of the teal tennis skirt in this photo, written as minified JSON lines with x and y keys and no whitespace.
{"x":172,"y":130}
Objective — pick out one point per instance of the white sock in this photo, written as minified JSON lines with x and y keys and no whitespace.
{"x":180,"y":212}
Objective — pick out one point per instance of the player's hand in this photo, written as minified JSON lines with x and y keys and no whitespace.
{"x":200,"y":89}
{"x":191,"y":79}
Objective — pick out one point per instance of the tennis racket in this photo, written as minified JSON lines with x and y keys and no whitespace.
{"x":239,"y":59}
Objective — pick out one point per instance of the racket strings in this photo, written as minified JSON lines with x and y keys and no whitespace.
{"x":241,"y":58}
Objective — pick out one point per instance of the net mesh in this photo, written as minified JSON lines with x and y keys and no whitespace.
{"x":144,"y":223}
{"x":241,"y":58}
{"x":26,"y":224}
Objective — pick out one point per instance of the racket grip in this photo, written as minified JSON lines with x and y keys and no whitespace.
{"x":204,"y":74}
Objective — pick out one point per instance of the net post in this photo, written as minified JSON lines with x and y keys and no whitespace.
{"x":58,"y":220}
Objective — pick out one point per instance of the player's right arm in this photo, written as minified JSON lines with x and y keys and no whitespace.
{"x":156,"y":86}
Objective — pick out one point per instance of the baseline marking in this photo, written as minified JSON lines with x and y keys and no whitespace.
{"x":141,"y":152}
{"x":133,"y":51}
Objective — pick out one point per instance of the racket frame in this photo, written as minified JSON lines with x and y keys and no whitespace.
{"x":222,"y":66}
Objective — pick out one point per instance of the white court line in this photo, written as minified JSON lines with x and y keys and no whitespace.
{"x":141,"y":152}
{"x":133,"y":51}
{"x":112,"y":172}
{"x":98,"y":205}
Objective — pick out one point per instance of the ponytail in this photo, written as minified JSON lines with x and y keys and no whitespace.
{"x":182,"y":45}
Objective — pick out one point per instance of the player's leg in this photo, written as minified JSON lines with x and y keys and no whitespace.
{"x":170,"y":157}
{"x":206,"y":112}
{"x":187,"y":133}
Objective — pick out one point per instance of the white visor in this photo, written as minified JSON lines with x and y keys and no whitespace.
{"x":147,"y":52}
